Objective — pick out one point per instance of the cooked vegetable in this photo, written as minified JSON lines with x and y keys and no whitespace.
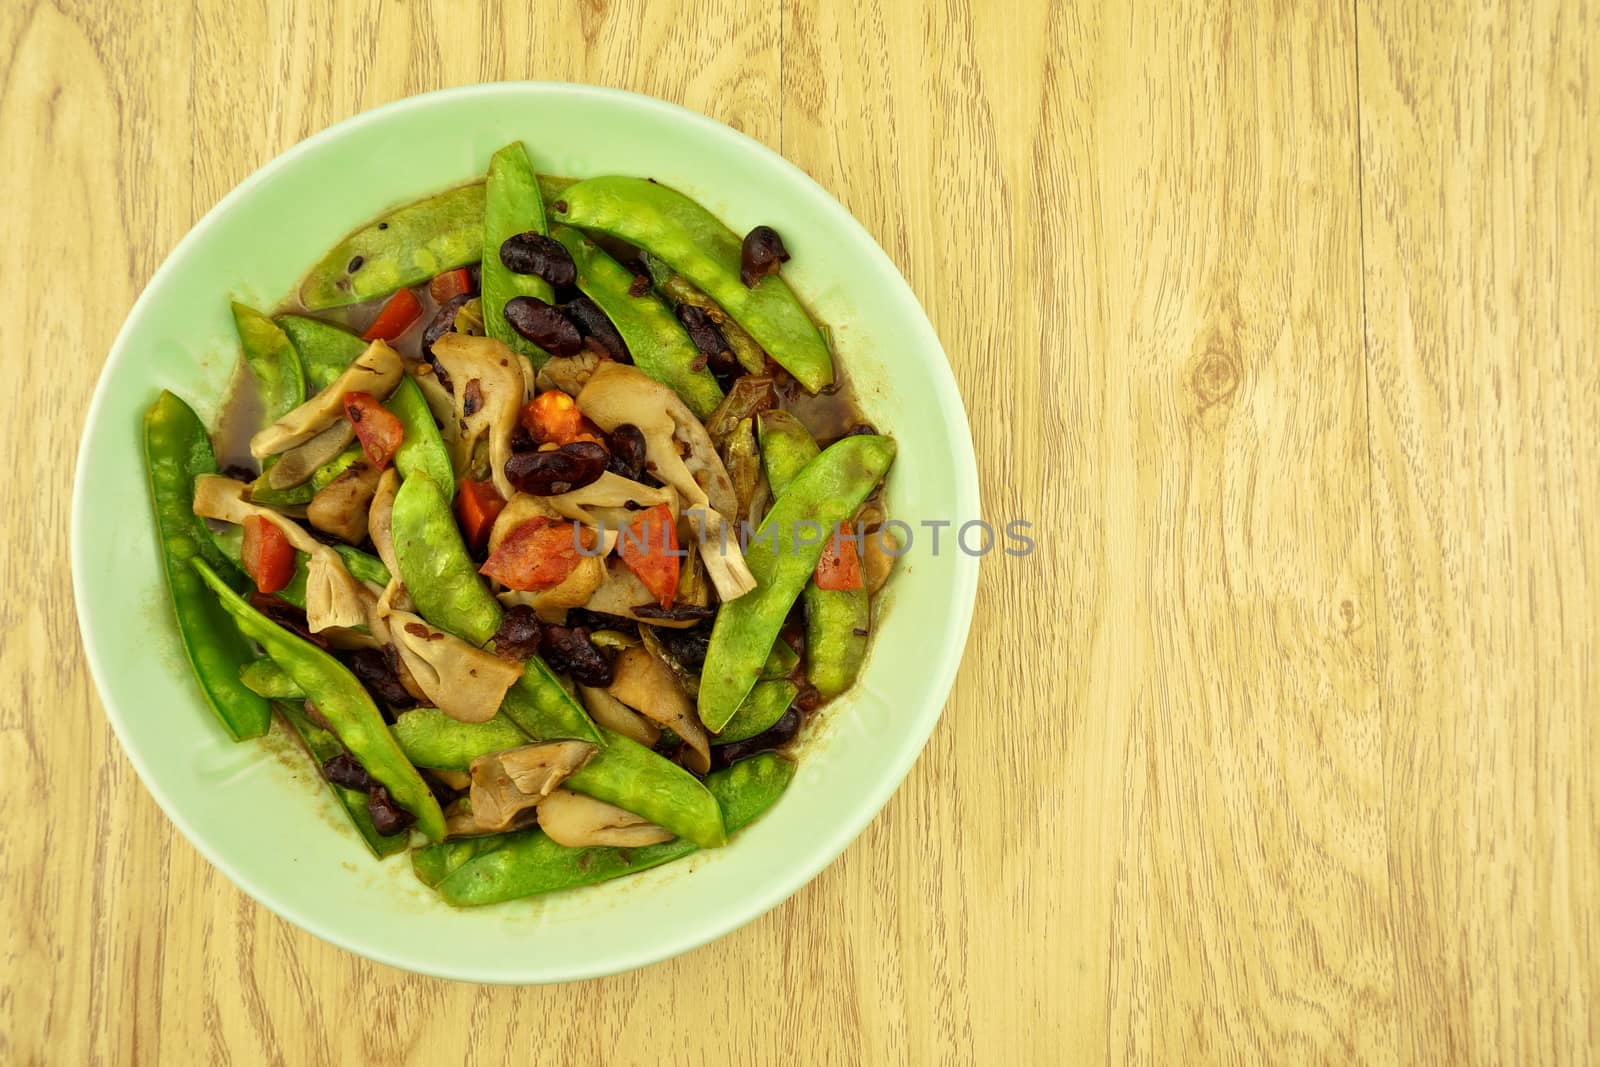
{"x":432,"y":739}
{"x":505,"y":784}
{"x":760,"y":254}
{"x":839,"y":567}
{"x":512,"y":866}
{"x":553,"y":417}
{"x":627,"y":774}
{"x":322,"y":747}
{"x":266,"y":679}
{"x":280,"y":382}
{"x":576,"y":821}
{"x":395,"y":317}
{"x":760,"y":711}
{"x":268,"y":557}
{"x":405,"y":247}
{"x":654,"y":338}
{"x":700,"y":247}
{"x":556,"y":471}
{"x":838,"y":623}
{"x":512,"y":206}
{"x":488,"y":397}
{"x":548,"y":327}
{"x":176,"y":452}
{"x":645,"y":683}
{"x":477,"y":506}
{"x":449,"y":285}
{"x":421,"y":446}
{"x":786,"y":448}
{"x":342,"y":702}
{"x":827,"y":491}
{"x":539,"y":554}
{"x":649,"y":546}
{"x":676,"y":288}
{"x":378,"y":371}
{"x":325,"y":350}
{"x":379,"y":432}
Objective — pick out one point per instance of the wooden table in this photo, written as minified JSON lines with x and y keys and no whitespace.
{"x":1283,"y":325}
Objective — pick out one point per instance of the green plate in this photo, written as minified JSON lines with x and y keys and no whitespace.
{"x":248,"y":808}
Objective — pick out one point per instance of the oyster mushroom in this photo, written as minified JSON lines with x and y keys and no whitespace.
{"x":509,"y":782}
{"x":620,"y":592}
{"x":487,"y":385}
{"x":333,"y":597}
{"x":461,"y":680}
{"x":603,"y":502}
{"x":376,"y":371}
{"x":613,"y":714}
{"x":646,"y":684}
{"x":577,"y":821}
{"x":568,"y":373}
{"x":341,"y":506}
{"x":618,"y":394}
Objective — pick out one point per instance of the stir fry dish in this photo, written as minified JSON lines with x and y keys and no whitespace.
{"x":543,"y":518}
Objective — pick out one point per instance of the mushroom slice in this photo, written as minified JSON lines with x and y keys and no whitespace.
{"x":620,"y":591}
{"x":333,"y":597}
{"x":461,"y":821}
{"x":573,"y":592}
{"x":644,"y":683}
{"x":376,"y":371}
{"x":464,"y":682}
{"x":603,"y":502}
{"x":506,"y":783}
{"x":613,"y":714}
{"x":487,"y":382}
{"x":302,"y":461}
{"x":341,"y":506}
{"x":519,"y":509}
{"x":617,"y":394}
{"x":577,"y":821}
{"x":568,"y":373}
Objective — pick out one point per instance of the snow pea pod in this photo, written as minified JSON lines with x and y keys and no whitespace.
{"x":325,"y":349}
{"x":676,"y":288}
{"x":422,"y":450}
{"x":272,"y":358}
{"x":323,"y":746}
{"x":764,"y":706}
{"x":342,"y":701}
{"x":827,"y":491}
{"x":697,"y":245}
{"x":512,"y":205}
{"x":443,"y":582}
{"x":511,"y":866}
{"x":265,"y":678}
{"x":403,"y":247}
{"x":632,"y":777}
{"x":432,"y":739}
{"x":781,"y":661}
{"x":837,"y":625}
{"x":656,"y":339}
{"x":176,"y":452}
{"x":786,"y":447}
{"x":551,"y":188}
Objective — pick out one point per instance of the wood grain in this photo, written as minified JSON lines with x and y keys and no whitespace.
{"x":1280,"y":324}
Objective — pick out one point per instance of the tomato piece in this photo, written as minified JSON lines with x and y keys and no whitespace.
{"x":396,"y":317}
{"x":553,"y":417}
{"x":840,"y":565}
{"x":478,"y":504}
{"x":267,"y":555}
{"x":649,"y":546}
{"x":380,"y":431}
{"x":538,"y":554}
{"x":450,"y":284}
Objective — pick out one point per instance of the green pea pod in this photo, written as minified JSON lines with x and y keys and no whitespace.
{"x":432,"y":739}
{"x":325,"y":349}
{"x":441,"y":577}
{"x":176,"y":452}
{"x":280,"y":382}
{"x":422,"y":450}
{"x":695,"y":242}
{"x":781,"y":661}
{"x":512,"y":866}
{"x":266,"y":679}
{"x":826,"y":492}
{"x":403,"y":247}
{"x":551,"y":188}
{"x":837,"y":624}
{"x":656,"y":339}
{"x":632,"y":777}
{"x":512,"y":206}
{"x":342,"y":701}
{"x":434,"y":863}
{"x":323,"y":746}
{"x":761,"y":709}
{"x":786,"y":447}
{"x":443,"y":582}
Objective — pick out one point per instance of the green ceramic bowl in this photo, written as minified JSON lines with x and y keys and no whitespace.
{"x":256,"y":810}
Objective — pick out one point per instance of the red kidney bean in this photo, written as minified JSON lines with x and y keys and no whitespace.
{"x":545,"y":325}
{"x":760,"y":255}
{"x":388,"y":818}
{"x":559,"y":470}
{"x":345,"y":770}
{"x":519,"y":635}
{"x":778,"y":734}
{"x":568,"y":648}
{"x":592,"y":322}
{"x":534,"y":253}
{"x":627,"y":452}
